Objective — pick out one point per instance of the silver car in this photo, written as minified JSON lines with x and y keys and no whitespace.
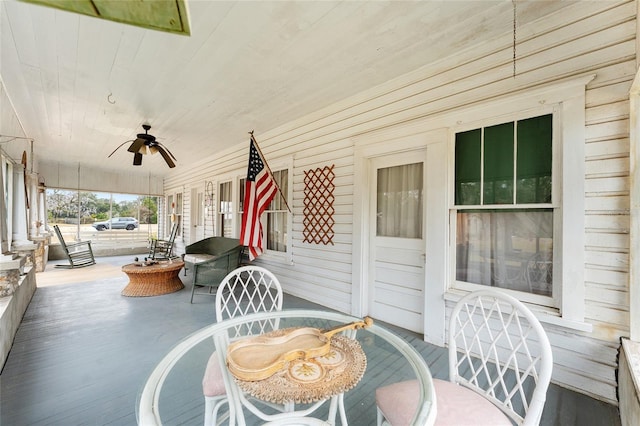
{"x":128,"y":223}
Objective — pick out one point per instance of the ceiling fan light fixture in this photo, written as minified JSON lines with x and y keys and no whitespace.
{"x":146,"y":144}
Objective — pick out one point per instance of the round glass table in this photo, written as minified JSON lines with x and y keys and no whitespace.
{"x":173,"y":391}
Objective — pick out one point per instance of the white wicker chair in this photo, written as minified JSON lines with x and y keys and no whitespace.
{"x":298,"y":421}
{"x":500,"y":365}
{"x":246,"y":290}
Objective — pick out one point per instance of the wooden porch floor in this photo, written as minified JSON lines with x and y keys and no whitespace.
{"x":83,"y":352}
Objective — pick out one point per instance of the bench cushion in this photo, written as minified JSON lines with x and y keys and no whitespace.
{"x":194,"y":258}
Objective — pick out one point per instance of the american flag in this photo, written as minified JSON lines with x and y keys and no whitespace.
{"x":260,"y":188}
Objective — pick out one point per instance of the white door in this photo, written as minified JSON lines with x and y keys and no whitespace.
{"x":397,"y":249}
{"x":197,"y":215}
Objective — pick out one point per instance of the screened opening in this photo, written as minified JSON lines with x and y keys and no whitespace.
{"x":108,"y":220}
{"x":508,"y":163}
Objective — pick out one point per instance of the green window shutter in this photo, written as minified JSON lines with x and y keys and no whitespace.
{"x":498,"y":164}
{"x":467,"y":173}
{"x":534,"y":160}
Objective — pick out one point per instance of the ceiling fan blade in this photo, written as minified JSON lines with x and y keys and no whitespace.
{"x":166,"y":149}
{"x":136,"y":145}
{"x":166,"y":157}
{"x":137,"y":159}
{"x":119,"y":146}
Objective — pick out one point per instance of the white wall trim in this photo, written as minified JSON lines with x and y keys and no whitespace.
{"x":634,"y":210}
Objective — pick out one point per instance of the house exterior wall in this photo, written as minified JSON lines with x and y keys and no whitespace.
{"x":597,"y":38}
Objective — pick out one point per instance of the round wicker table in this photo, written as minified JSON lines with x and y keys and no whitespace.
{"x":153,"y":280}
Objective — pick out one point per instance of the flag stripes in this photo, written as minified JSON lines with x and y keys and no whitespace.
{"x":260,"y":188}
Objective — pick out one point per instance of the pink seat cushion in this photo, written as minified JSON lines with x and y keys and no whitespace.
{"x":213,"y":383}
{"x":399,"y":401}
{"x":457,"y":405}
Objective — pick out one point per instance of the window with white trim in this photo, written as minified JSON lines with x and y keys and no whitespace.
{"x":504,"y":211}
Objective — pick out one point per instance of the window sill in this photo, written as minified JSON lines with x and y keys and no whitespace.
{"x":545,"y":314}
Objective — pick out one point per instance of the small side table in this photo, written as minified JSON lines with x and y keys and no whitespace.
{"x":153,"y":280}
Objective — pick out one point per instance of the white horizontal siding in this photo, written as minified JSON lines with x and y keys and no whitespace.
{"x":330,"y":264}
{"x":591,"y":37}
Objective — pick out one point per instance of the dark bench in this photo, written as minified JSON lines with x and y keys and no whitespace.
{"x":211,"y":260}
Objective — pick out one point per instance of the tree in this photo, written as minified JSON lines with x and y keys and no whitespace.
{"x":148,"y":209}
{"x":62,"y":204}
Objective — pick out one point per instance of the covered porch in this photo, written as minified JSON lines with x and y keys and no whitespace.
{"x":83,"y":352}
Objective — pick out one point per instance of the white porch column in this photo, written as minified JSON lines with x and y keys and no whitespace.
{"x":42,"y":206}
{"x":32,"y":186}
{"x":19,"y":228}
{"x":20,"y":243}
{"x":4,"y":237}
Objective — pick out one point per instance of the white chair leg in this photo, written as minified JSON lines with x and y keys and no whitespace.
{"x":333,"y":410}
{"x":343,"y":414}
{"x":380,"y":417}
{"x":212,"y":406}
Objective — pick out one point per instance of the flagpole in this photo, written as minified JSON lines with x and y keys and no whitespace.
{"x":269,"y":170}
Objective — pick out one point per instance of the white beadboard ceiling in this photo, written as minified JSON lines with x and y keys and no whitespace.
{"x":81,"y":85}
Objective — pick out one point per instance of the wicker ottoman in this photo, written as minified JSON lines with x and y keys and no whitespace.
{"x":153,"y":280}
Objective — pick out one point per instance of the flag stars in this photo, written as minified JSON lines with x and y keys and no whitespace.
{"x":255,"y":163}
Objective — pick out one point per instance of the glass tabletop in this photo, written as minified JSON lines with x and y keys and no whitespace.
{"x":173,"y":391}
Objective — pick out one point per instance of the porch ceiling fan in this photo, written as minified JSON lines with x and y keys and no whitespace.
{"x":147,"y":144}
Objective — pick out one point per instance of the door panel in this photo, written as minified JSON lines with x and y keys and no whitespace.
{"x":197,"y":215}
{"x":397,"y":270}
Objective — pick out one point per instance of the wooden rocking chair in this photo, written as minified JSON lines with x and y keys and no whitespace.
{"x":79,"y":254}
{"x":163,"y":249}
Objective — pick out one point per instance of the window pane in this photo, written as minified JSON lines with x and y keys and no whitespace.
{"x":225,"y":209}
{"x":277,"y":231}
{"x":399,"y":201}
{"x":277,"y":214}
{"x":243,"y":182}
{"x":534,"y":160}
{"x":282,"y":179}
{"x":510,"y":249}
{"x":468,"y":168}
{"x":498,"y":164}
{"x":179,"y":203}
